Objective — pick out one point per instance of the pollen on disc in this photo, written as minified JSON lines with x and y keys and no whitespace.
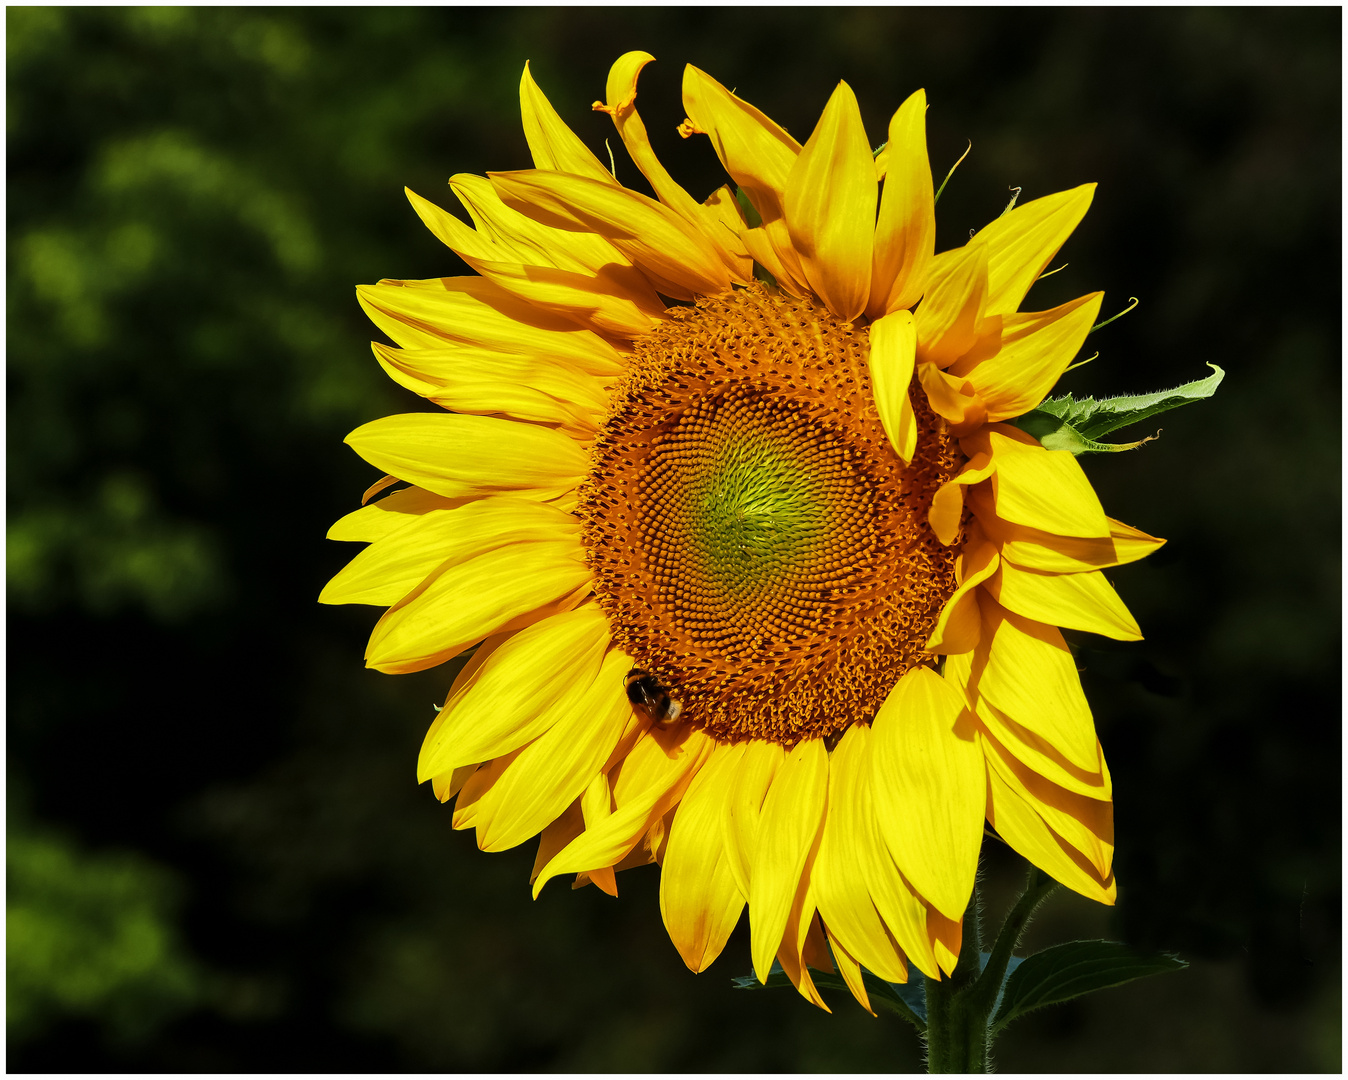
{"x":756,"y":543}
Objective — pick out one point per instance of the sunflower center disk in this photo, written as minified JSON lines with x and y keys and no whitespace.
{"x":756,"y":544}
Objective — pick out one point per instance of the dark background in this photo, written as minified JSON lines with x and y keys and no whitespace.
{"x":217,"y":855}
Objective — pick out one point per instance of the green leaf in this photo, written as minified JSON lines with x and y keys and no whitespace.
{"x":1068,"y":971}
{"x":1077,"y":426}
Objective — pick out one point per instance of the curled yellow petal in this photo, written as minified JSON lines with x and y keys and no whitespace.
{"x":893,"y":348}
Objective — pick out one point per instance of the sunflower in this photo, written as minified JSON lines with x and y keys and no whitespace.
{"x":759,"y":582}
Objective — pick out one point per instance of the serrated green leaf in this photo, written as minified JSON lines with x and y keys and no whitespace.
{"x":1068,"y":971}
{"x":1067,"y":424}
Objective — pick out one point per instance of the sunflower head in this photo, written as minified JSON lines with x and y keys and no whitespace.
{"x":760,"y":584}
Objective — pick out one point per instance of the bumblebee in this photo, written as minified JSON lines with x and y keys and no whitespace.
{"x":645,"y":692}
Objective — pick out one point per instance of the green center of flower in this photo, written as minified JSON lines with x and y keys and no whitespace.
{"x":756,"y":544}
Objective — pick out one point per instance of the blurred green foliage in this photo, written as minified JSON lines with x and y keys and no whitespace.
{"x":224,"y":864}
{"x":91,"y":936}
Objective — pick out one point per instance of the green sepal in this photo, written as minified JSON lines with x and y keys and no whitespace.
{"x":751,"y":216}
{"x":1066,"y":424}
{"x":1068,"y":971}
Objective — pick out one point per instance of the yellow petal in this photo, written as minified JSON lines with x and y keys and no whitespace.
{"x":388,"y":570}
{"x":460,"y":604}
{"x":1021,"y":243}
{"x":893,"y":346}
{"x":1085,"y":823}
{"x":505,"y":702}
{"x":604,"y":300}
{"x":665,"y":760}
{"x":927,"y":776}
{"x":553,"y":144}
{"x":803,"y":945}
{"x":947,"y":505}
{"x":1036,"y":349}
{"x":830,"y":207}
{"x":555,"y":768}
{"x":1044,"y":489}
{"x":1036,"y":549}
{"x":1079,"y":601}
{"x":792,"y":814}
{"x":1031,"y":750}
{"x":953,"y":398}
{"x":960,"y":625}
{"x":752,"y":778}
{"x":388,"y":515}
{"x":556,"y":836}
{"x":472,"y":455}
{"x":949,"y":317}
{"x":1031,"y":677}
{"x":757,"y":153}
{"x":470,"y":379}
{"x":850,"y":971}
{"x":1018,"y":824}
{"x":905,"y":232}
{"x":449,"y":784}
{"x":475,"y":312}
{"x":839,"y":877}
{"x":699,"y":899}
{"x":652,"y":236}
{"x":711,"y":217}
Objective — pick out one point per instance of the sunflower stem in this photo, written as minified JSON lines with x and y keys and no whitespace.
{"x":957,"y":1031}
{"x":959,"y":1008}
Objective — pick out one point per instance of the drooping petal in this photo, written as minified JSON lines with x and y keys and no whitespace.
{"x":1037,"y":549}
{"x":699,"y":899}
{"x":850,"y":971}
{"x":792,"y":814}
{"x":1017,"y":822}
{"x":1083,"y":601}
{"x":1029,"y":674}
{"x":458,"y":456}
{"x":929,"y":788}
{"x":552,"y":144}
{"x":1086,"y":823}
{"x":1022,"y":241}
{"x":504,"y":703}
{"x":905,"y":231}
{"x":830,"y":207}
{"x":893,"y":347}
